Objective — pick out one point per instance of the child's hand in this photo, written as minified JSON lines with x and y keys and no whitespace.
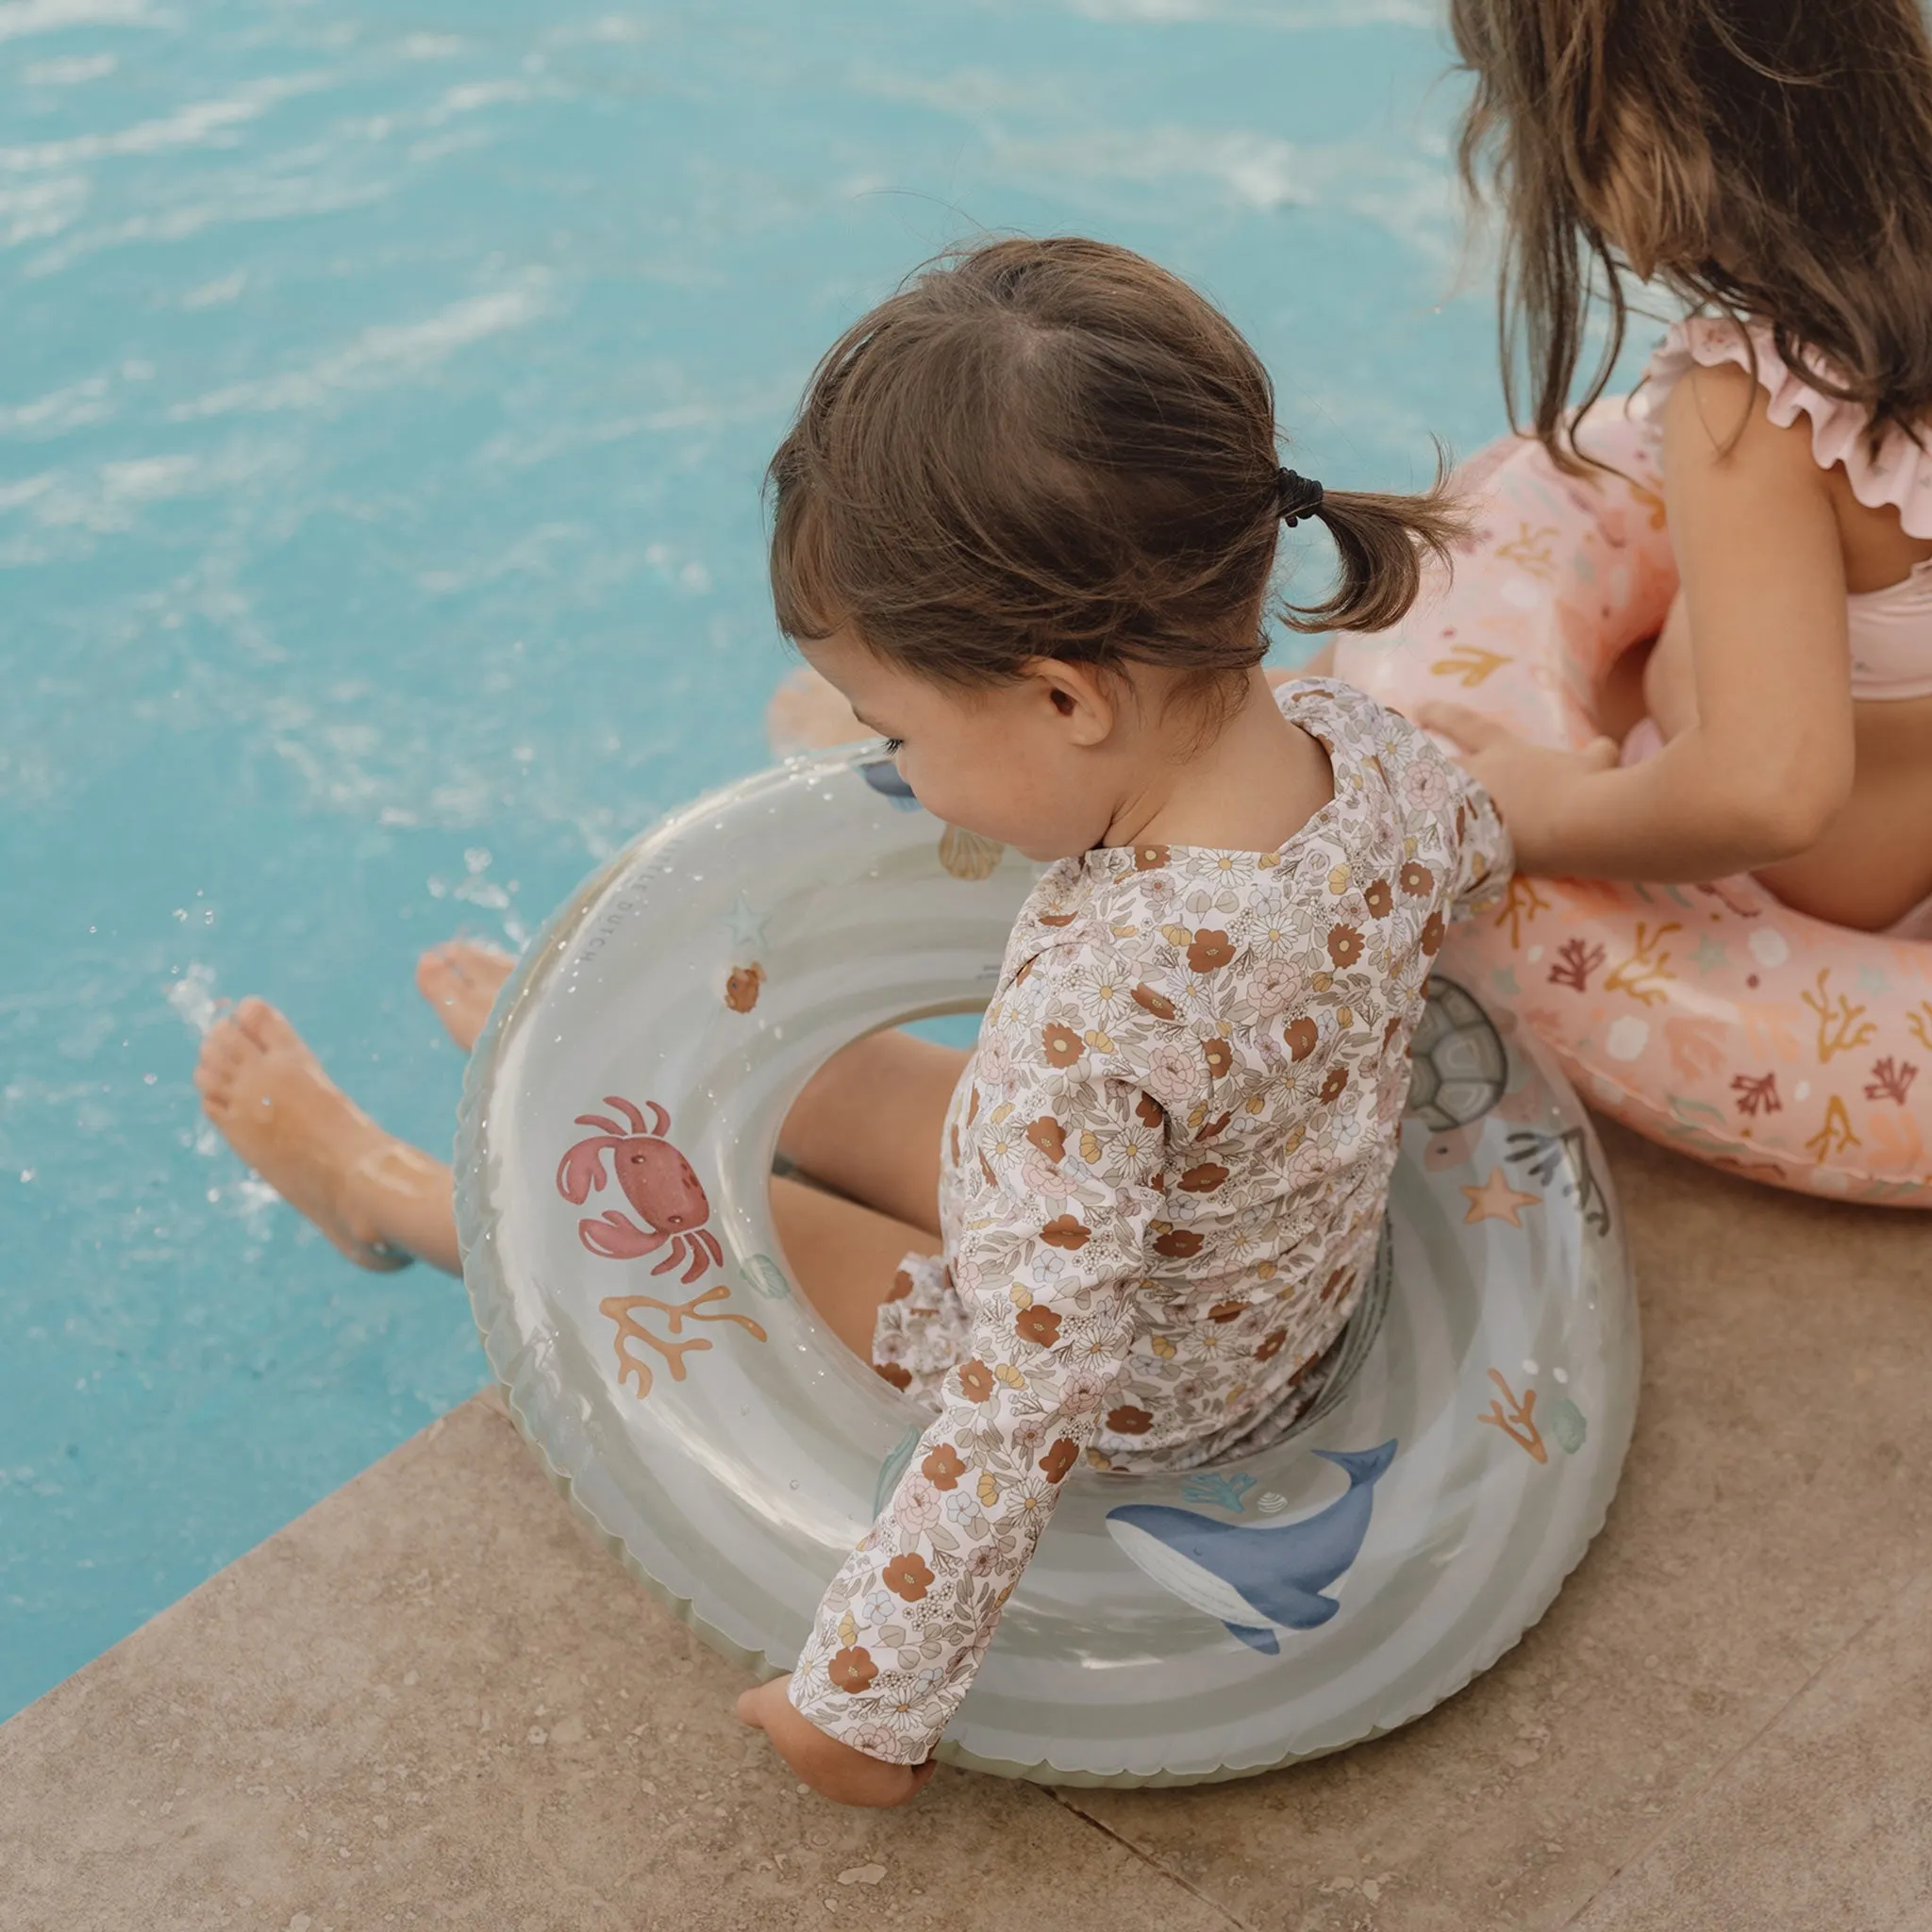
{"x":1530,"y":783}
{"x":833,"y":1770}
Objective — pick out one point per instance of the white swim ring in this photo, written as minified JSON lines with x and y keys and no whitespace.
{"x":617,"y":1129}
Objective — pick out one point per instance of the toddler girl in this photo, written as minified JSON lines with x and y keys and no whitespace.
{"x":1026,"y":524}
{"x":1769,"y":162}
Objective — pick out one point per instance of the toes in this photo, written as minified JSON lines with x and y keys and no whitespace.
{"x":478,"y":959}
{"x":435,"y":970}
{"x":462,"y":965}
{"x":223,"y":1048}
{"x":249,"y":1020}
{"x":264,"y":1027}
{"x":214,"y":1071}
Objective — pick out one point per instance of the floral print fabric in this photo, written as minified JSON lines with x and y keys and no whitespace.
{"x":1163,"y":1181}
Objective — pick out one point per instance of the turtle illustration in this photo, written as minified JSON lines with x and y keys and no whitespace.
{"x":1460,"y":1065}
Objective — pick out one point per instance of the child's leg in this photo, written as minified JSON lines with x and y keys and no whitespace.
{"x":869,"y":1122}
{"x":844,"y":1256}
{"x":379,"y":1200}
{"x":867,"y":1125}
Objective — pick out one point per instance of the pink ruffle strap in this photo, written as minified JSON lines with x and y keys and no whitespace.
{"x":1898,"y":477}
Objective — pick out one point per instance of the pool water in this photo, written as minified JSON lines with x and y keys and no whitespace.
{"x":386,"y":396}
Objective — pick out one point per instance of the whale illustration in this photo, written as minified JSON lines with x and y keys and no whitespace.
{"x":882,"y":774}
{"x":1258,"y":1579}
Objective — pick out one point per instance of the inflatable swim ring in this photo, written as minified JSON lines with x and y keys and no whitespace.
{"x":616,"y":1137}
{"x":1711,"y":1018}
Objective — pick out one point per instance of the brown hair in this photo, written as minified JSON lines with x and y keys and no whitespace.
{"x":1770,"y":158}
{"x":1056,"y":449}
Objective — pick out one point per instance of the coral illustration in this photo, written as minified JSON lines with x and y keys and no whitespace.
{"x":1543,"y":1155}
{"x":1517,"y":1421}
{"x":1469,"y":665}
{"x":1222,"y":1492}
{"x":1756,"y":1093}
{"x":1835,"y":1135}
{"x":621,"y":1309}
{"x":1523,"y":901}
{"x":1642,"y":974}
{"x":1531,"y":550}
{"x":1841,"y":1025}
{"x":1577,"y":960}
{"x":1891,"y":1079}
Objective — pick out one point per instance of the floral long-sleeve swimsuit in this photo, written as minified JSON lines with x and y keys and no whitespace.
{"x":1163,"y":1181}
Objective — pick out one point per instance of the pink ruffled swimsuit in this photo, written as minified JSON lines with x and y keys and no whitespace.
{"x":1889,"y":631}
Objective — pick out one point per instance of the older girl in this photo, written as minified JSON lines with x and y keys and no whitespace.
{"x":1770,"y":163}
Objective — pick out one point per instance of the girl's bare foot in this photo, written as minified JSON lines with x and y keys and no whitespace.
{"x":459,"y":978}
{"x":265,"y":1090}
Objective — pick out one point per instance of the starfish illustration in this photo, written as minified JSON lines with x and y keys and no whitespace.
{"x":747,"y":930}
{"x":1496,"y":1200}
{"x":1710,"y":954}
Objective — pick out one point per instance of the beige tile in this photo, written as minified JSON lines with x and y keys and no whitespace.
{"x":432,"y":1702}
{"x":1774,"y":1501}
{"x":344,"y":1726}
{"x":1825,"y":1821}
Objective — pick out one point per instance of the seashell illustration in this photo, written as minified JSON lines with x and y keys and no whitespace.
{"x":1273,"y":1504}
{"x":1568,"y":1425}
{"x":767,"y":1278}
{"x":967,"y":855}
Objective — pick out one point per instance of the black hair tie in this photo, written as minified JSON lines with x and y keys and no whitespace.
{"x":1298,"y":496}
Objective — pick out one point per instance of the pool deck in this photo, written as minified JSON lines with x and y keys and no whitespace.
{"x":434,"y":1701}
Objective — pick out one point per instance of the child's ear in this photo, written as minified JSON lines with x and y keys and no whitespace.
{"x":1083,"y":698}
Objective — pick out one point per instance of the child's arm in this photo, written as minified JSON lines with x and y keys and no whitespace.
{"x":1768,"y":765}
{"x":1049,"y":1264}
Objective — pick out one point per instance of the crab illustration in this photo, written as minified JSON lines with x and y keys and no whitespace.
{"x":656,"y":1180}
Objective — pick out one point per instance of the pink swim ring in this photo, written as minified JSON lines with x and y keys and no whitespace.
{"x":1713,"y":1019}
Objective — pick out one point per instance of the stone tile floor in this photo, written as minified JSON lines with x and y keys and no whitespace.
{"x":434,"y":1701}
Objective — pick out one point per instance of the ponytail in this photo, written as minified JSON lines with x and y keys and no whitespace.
{"x":1381,"y":541}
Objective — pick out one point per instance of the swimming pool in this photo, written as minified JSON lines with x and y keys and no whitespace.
{"x":380,"y":432}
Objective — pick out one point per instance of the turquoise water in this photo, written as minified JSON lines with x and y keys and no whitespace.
{"x":385,"y":398}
